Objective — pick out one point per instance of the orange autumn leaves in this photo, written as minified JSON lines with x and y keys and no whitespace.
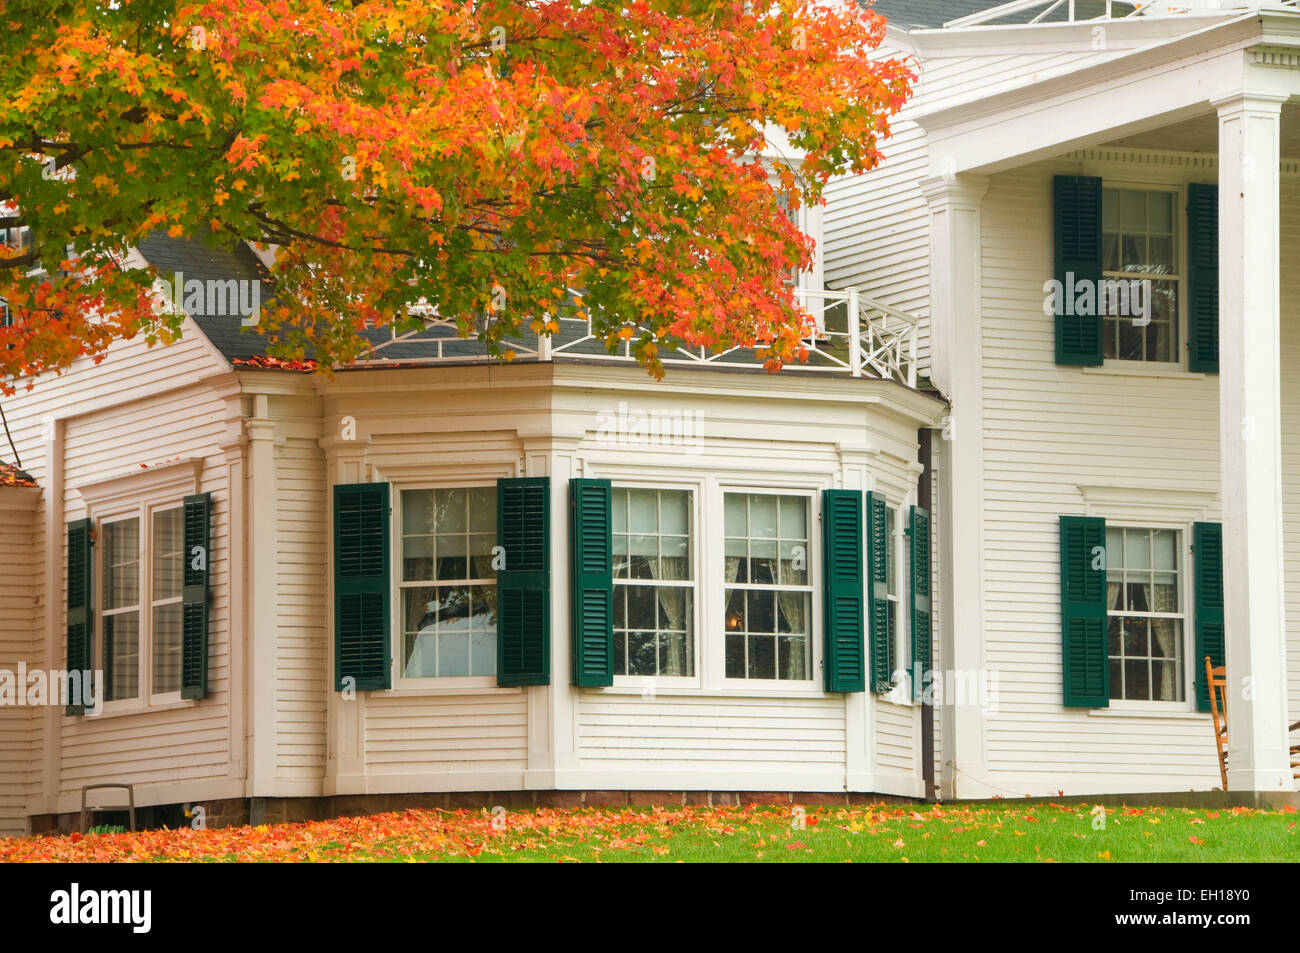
{"x":897,"y":833}
{"x":431,"y":149}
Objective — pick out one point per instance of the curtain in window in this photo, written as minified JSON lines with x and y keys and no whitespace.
{"x":792,"y":617}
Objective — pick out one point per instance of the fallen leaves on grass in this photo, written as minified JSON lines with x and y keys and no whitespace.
{"x":650,"y":833}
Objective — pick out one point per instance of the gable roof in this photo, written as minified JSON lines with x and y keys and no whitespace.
{"x":196,"y":259}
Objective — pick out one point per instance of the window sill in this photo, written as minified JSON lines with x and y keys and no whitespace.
{"x":1143,"y":369}
{"x":1182,"y":714}
{"x":417,"y":691}
{"x":712,"y":692}
{"x":114,"y":709}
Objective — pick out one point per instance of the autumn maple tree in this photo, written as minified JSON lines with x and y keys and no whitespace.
{"x":505,"y":163}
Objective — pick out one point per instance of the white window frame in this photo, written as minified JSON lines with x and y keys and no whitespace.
{"x":650,"y":683}
{"x":396,"y":627}
{"x":815,"y":524}
{"x":143,"y":511}
{"x":177,"y":600}
{"x":1186,"y":602}
{"x":1178,"y":196}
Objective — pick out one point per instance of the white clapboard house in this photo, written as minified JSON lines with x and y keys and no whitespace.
{"x":979,"y":545}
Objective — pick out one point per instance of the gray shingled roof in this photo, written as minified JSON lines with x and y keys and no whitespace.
{"x":196,"y":259}
{"x":912,"y":14}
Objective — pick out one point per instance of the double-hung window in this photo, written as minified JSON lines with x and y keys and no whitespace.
{"x":1140,"y":276}
{"x":654,"y":588}
{"x":768,"y":591}
{"x":1145,"y":619}
{"x":448,"y":584}
{"x":141,"y":578}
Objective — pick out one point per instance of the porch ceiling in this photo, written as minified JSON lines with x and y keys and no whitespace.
{"x":1201,"y":134}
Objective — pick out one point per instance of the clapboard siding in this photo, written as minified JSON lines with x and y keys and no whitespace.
{"x":192,"y":741}
{"x":302,"y":650}
{"x":19,"y":642}
{"x":688,"y":733}
{"x":446,"y":734}
{"x":139,"y":408}
{"x":1048,"y":431}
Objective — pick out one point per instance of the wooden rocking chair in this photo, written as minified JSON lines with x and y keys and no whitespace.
{"x":1217,"y":681}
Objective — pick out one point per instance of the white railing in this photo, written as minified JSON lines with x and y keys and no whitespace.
{"x":1022,"y":6}
{"x":855,"y":335}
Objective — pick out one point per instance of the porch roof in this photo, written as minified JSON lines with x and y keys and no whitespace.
{"x":1136,"y":96}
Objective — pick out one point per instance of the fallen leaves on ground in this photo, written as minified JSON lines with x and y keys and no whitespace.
{"x":649,"y":833}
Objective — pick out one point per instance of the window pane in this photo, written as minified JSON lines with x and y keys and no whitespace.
{"x":448,"y":631}
{"x":1160,"y":208}
{"x":1132,"y":211}
{"x":643,"y":511}
{"x":1137,"y":683}
{"x":762,"y":517}
{"x":417,"y":511}
{"x":1137,"y":549}
{"x":451,"y":510}
{"x":675,"y":561}
{"x":451,"y":557}
{"x":762,"y":561}
{"x":618,"y":503}
{"x":794,"y":564}
{"x":736,"y":523}
{"x":122,"y":653}
{"x":792,"y":657}
{"x":417,"y":558}
{"x":794,"y":517}
{"x":1164,"y":543}
{"x":762,"y":657}
{"x":483,"y":510}
{"x":168,"y":539}
{"x":735,"y":656}
{"x":674,"y":512}
{"x":167,"y":648}
{"x":121,"y":564}
{"x":760,"y":610}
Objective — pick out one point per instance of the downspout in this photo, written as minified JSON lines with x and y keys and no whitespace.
{"x":924,"y":437}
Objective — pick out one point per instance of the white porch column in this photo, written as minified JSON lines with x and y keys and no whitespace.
{"x":956,"y":348}
{"x":1250,"y":438}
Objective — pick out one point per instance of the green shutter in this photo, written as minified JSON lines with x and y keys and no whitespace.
{"x":1207,"y":550}
{"x":194,"y":599}
{"x":361,"y":586}
{"x":844,"y":665}
{"x":1083,"y":612}
{"x":1203,"y":278}
{"x":592,"y":608}
{"x":1077,"y":232}
{"x":879,"y":553}
{"x":524,"y":584}
{"x":81,"y":616}
{"x":919,"y":570}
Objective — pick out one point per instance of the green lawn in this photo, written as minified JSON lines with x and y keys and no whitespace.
{"x":1045,"y":833}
